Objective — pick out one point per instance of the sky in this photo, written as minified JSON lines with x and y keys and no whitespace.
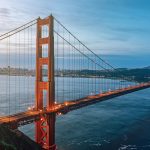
{"x":117,"y":30}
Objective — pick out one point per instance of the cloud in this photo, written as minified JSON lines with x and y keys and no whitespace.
{"x":4,"y":12}
{"x":111,"y":26}
{"x":130,"y":29}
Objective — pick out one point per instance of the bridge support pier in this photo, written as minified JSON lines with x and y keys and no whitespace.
{"x":45,"y":127}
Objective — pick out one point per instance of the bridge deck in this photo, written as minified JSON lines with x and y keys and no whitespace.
{"x":30,"y":116}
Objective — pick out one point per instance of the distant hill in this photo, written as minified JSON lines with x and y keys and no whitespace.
{"x":136,"y":74}
{"x":147,"y":67}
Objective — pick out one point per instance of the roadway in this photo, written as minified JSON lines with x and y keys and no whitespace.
{"x":32,"y":115}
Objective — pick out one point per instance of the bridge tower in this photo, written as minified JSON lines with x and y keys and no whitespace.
{"x":45,"y":127}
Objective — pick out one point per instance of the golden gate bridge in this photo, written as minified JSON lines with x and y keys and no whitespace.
{"x":47,"y":71}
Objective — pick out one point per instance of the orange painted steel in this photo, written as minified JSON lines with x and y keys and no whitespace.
{"x":45,"y":126}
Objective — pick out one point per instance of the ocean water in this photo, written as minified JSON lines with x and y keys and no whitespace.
{"x":122,"y":123}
